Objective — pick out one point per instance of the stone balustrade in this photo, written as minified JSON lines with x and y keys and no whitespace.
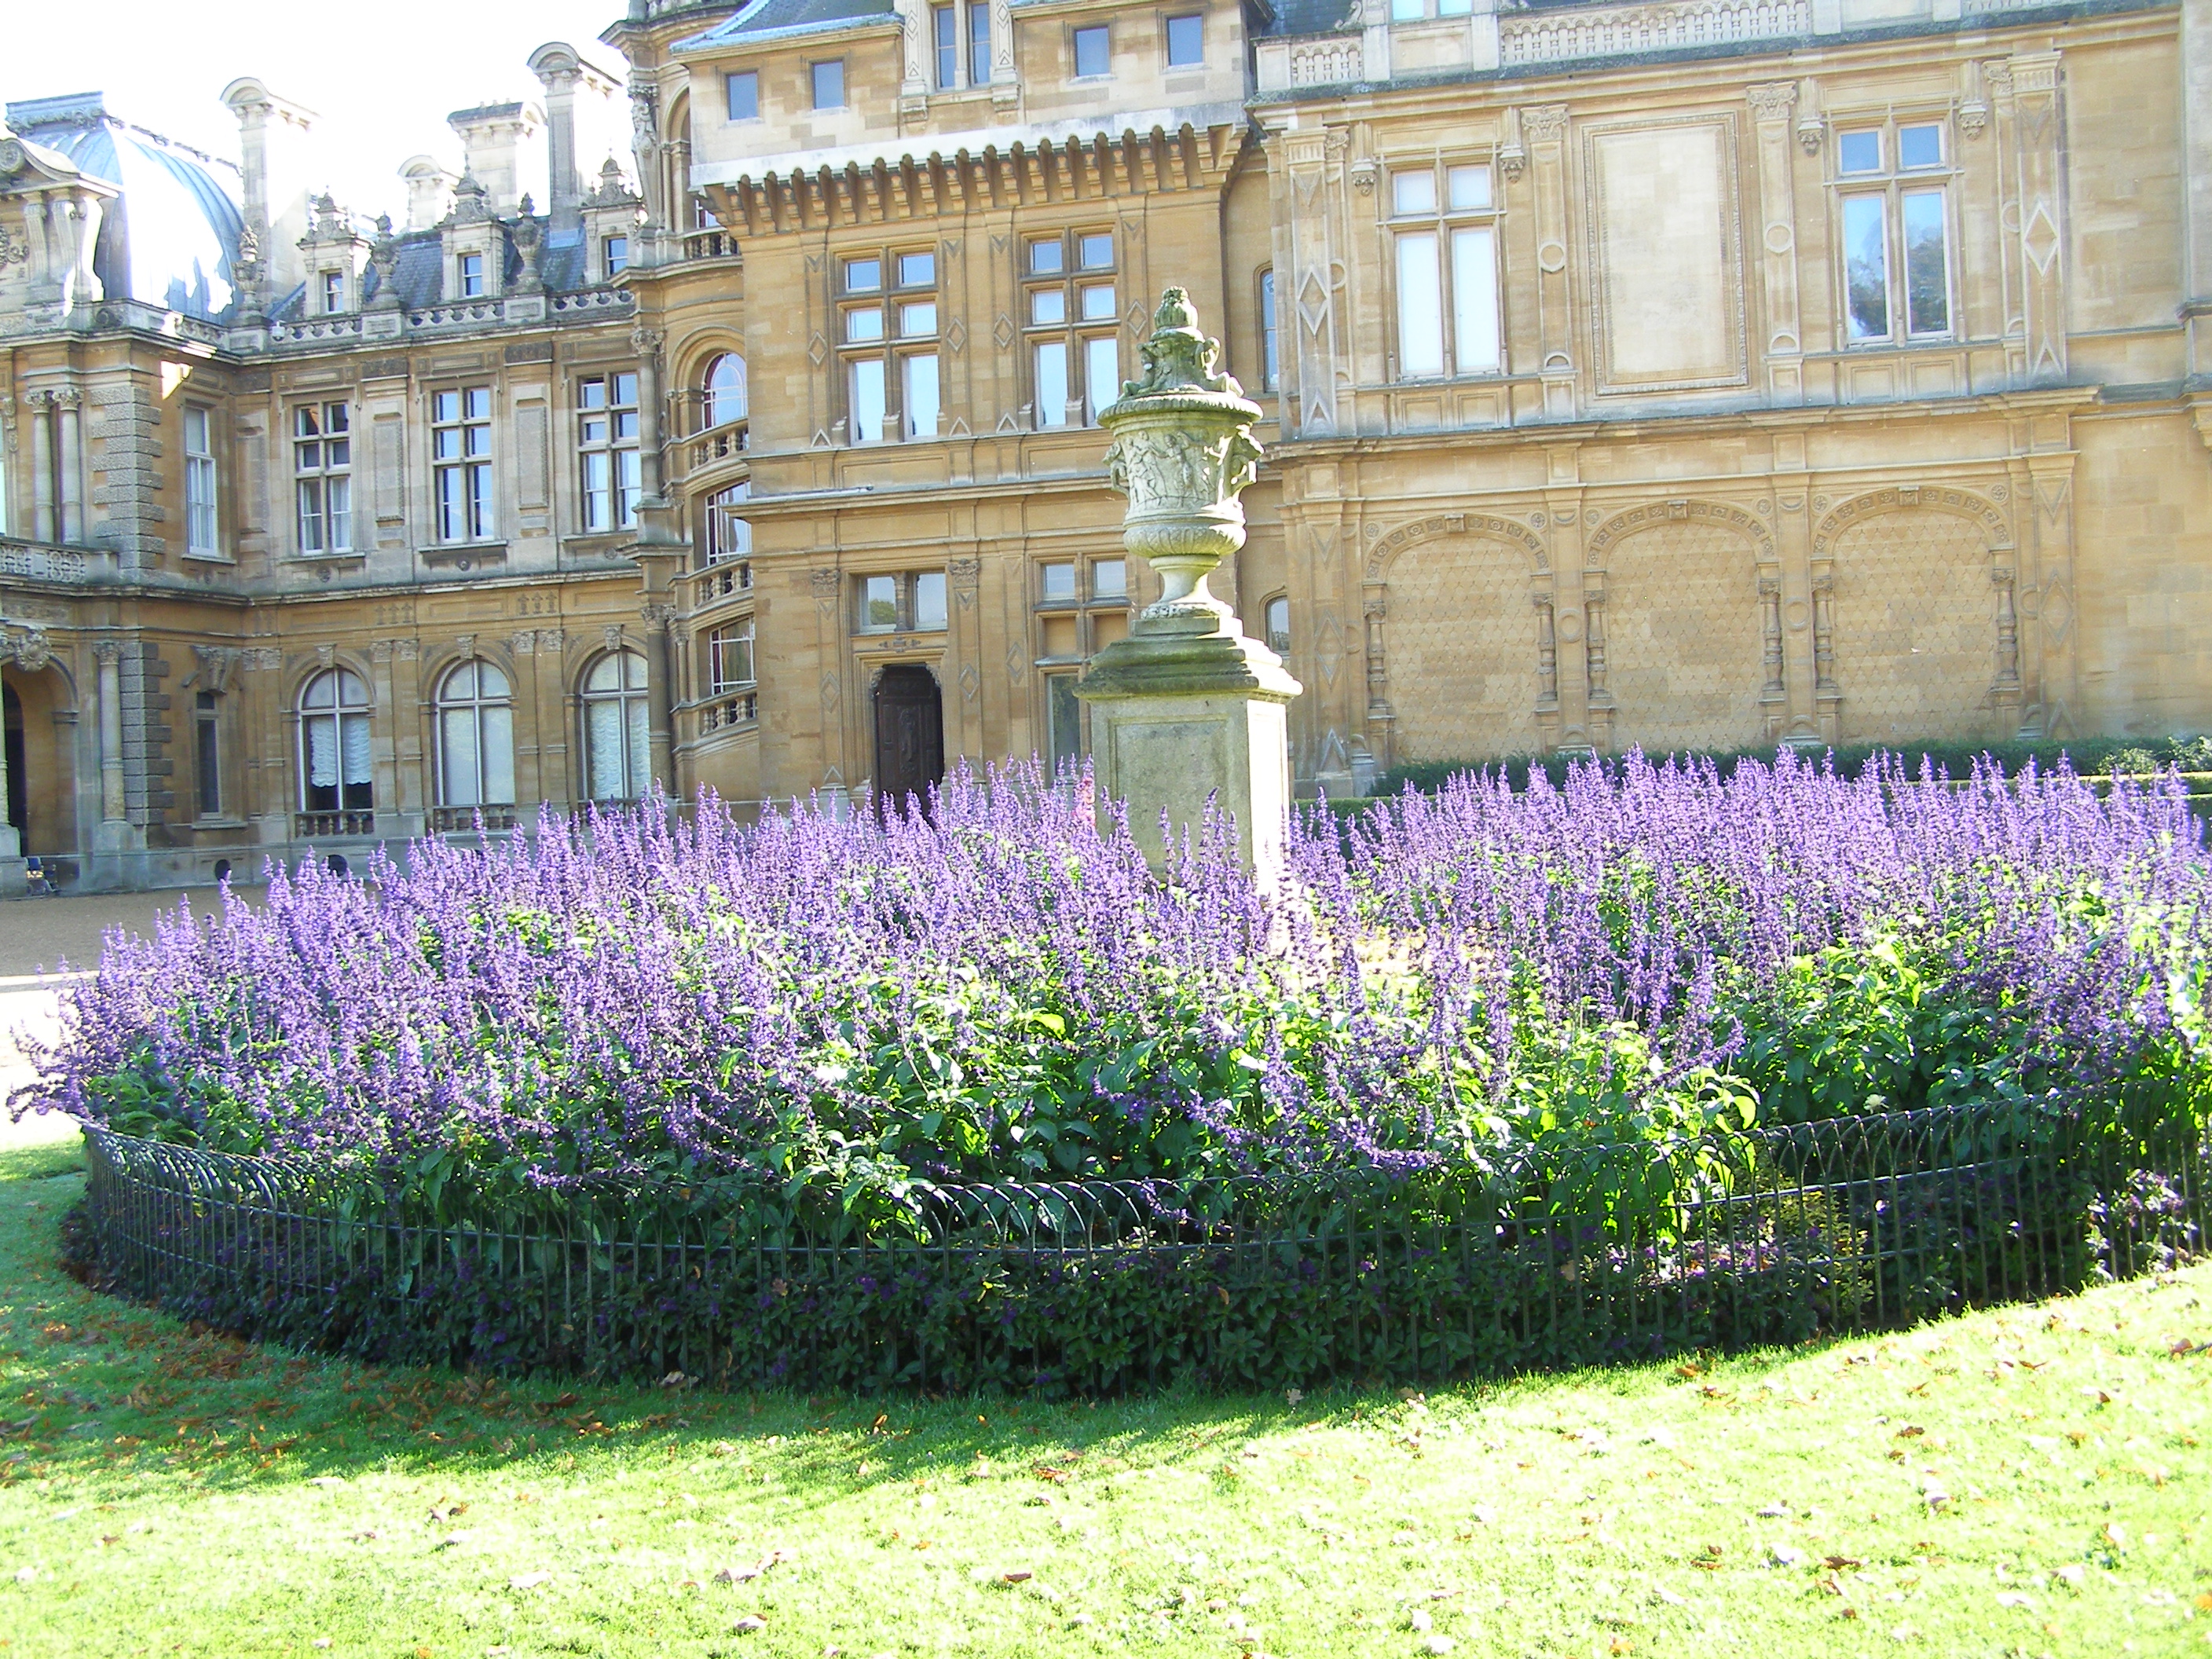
{"x":35,"y":561}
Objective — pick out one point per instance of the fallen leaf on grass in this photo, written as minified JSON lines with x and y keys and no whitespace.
{"x":750,"y":1623}
{"x":1018,"y":1576}
{"x":1842,"y":1563}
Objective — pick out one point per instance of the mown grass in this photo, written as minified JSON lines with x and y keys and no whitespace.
{"x":2028,"y":1480}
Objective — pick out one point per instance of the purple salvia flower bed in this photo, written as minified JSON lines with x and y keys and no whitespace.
{"x":1520,"y":985}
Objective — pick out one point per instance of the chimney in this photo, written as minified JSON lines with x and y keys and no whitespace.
{"x":563,"y":74}
{"x":490,"y":134}
{"x":429,"y":185}
{"x":273,"y":152}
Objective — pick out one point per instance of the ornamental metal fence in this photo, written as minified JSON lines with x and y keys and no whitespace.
{"x":1605,"y":1254}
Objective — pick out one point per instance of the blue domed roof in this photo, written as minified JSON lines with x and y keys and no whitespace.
{"x":170,"y":241}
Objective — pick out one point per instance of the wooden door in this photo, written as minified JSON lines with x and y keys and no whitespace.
{"x":910,"y":736}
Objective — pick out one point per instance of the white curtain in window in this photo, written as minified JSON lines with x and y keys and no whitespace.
{"x":640,"y":745}
{"x":498,"y":744}
{"x":323,"y":753}
{"x":357,"y":761}
{"x":1420,"y":307}
{"x":602,"y":733}
{"x":460,"y":746}
{"x":1474,"y":301}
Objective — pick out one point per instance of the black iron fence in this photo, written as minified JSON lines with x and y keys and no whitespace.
{"x":1607,"y":1254}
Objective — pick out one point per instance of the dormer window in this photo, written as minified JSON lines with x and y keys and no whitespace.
{"x":333,"y":292}
{"x":615,"y":252}
{"x":472,"y":275}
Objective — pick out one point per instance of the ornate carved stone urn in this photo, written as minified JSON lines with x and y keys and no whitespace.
{"x":1186,"y":710}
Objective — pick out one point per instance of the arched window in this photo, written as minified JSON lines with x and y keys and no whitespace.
{"x":725,"y":389}
{"x":476,"y":737}
{"x":617,"y":732}
{"x":335,"y":771}
{"x":1278,"y":627}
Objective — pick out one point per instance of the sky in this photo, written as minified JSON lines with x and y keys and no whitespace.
{"x":381,"y":79}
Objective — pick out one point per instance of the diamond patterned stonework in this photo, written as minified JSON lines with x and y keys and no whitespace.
{"x":1462,"y":642}
{"x":1915,"y":628}
{"x":1682,"y":642}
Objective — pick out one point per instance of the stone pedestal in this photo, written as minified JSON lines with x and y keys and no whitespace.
{"x":1186,"y":710}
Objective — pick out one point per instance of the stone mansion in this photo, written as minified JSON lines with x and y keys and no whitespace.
{"x":1679,"y":373}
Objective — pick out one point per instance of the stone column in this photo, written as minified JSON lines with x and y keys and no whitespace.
{"x":1186,"y":711}
{"x":112,"y":809}
{"x":44,"y":525}
{"x":72,"y":467}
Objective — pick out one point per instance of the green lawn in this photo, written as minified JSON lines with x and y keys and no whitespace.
{"x":2028,"y":1481}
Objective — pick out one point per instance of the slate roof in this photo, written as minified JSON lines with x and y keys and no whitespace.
{"x":171,"y":239}
{"x":766,"y":18}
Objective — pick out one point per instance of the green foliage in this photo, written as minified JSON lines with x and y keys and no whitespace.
{"x":2134,"y":756}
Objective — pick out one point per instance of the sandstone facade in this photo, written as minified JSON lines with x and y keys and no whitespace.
{"x":1693,"y":373}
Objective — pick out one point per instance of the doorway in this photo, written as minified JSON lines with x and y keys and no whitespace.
{"x":11,"y":726}
{"x":910,"y":736}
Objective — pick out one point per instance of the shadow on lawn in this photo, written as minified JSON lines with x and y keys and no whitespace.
{"x":102,"y":1387}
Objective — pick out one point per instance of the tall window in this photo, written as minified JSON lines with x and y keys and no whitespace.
{"x":1893,"y":201}
{"x":322,"y":468}
{"x":979,"y":43}
{"x":1271,"y":361}
{"x":617,"y":730}
{"x":614,"y":254}
{"x":1072,"y":322}
{"x":337,"y":772}
{"x":472,"y":275}
{"x":723,"y":390}
{"x":333,"y":292}
{"x":828,"y":80}
{"x":199,"y":480}
{"x":607,"y":451}
{"x":741,"y":95}
{"x":726,"y":535}
{"x":1443,"y":225}
{"x":207,"y":753}
{"x":460,"y":453}
{"x":887,"y":339}
{"x":476,"y":737}
{"x":944,"y":39}
{"x":1278,"y":626}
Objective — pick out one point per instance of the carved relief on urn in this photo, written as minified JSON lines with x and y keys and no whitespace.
{"x":1182,"y":453}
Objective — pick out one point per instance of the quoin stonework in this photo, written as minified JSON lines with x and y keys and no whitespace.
{"x":723,"y":411}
